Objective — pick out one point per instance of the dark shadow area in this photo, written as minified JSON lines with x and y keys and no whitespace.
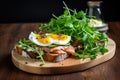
{"x":42,"y":10}
{"x":6,"y":63}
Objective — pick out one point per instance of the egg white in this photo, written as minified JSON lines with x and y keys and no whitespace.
{"x":32,"y":37}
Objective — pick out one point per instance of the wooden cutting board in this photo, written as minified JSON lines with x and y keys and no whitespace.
{"x":66,"y":66}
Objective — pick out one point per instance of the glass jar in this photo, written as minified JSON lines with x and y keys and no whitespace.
{"x":95,"y":10}
{"x":96,"y":17}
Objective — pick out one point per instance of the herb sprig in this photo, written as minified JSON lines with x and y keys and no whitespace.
{"x":75,"y":24}
{"x":28,"y":45}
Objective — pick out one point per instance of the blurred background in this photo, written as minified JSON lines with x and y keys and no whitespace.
{"x":42,"y":10}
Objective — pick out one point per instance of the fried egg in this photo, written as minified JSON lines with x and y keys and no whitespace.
{"x":60,"y":39}
{"x":41,"y":40}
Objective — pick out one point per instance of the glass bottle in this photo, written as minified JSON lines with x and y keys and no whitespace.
{"x":95,"y":10}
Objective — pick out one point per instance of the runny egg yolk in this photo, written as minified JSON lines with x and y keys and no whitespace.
{"x":59,"y":37}
{"x":43,"y":39}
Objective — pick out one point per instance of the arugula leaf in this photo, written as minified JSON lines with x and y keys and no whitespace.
{"x":28,"y":45}
{"x":76,"y":25}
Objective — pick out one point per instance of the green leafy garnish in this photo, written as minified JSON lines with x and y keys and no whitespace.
{"x":76,"y":25}
{"x":28,"y":45}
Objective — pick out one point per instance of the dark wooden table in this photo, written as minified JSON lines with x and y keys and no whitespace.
{"x":11,"y":33}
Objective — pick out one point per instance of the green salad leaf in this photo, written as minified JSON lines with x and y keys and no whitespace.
{"x":76,"y":25}
{"x":28,"y":45}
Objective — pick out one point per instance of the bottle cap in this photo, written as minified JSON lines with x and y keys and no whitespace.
{"x":94,"y":3}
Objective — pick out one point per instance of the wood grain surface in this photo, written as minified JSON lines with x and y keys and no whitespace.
{"x":66,"y":66}
{"x":11,"y":33}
